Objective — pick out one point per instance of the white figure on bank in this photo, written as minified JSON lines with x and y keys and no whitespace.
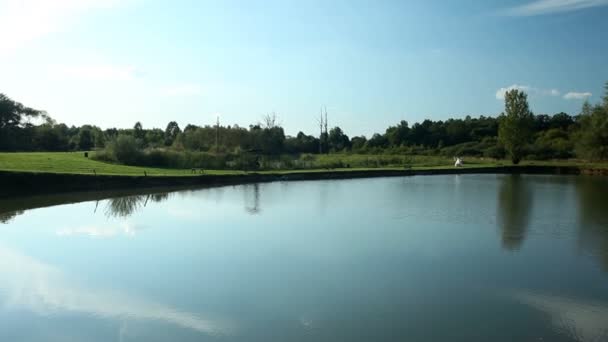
{"x":458,"y":162}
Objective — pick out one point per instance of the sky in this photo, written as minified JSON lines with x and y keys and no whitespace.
{"x":372,"y":64}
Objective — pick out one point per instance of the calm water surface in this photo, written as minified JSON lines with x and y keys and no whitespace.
{"x":436,"y":258}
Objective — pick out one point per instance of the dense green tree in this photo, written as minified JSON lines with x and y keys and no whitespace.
{"x":302,"y":143}
{"x":338,"y":141}
{"x":515,"y":124}
{"x":357,"y":143}
{"x":398,"y":135}
{"x":593,"y":135}
{"x":605,"y":97}
{"x":47,"y":138}
{"x":138,"y":131}
{"x":154,"y":137}
{"x":99,"y":138}
{"x":124,"y":149}
{"x":13,"y":113}
{"x":85,"y":139}
{"x":171,"y":133}
{"x":377,"y":141}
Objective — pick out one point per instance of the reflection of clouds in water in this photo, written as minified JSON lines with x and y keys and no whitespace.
{"x":125,"y":228}
{"x":582,"y":321}
{"x":45,"y":290}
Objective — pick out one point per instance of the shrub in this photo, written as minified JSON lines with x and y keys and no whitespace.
{"x":124,"y":150}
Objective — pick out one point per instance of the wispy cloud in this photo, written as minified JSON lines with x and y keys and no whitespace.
{"x":183,"y":90}
{"x":98,"y":72}
{"x":28,"y":20}
{"x":582,"y":320}
{"x":101,"y":232}
{"x":29,"y":284}
{"x":577,"y":96}
{"x":500,"y":93}
{"x":540,"y":7}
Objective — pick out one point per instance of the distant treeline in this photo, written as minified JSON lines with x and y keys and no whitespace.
{"x":584,"y":135}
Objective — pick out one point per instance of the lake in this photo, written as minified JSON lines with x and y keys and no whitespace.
{"x":425,"y":258}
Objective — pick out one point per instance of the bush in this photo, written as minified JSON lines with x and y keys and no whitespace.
{"x":124,"y":150}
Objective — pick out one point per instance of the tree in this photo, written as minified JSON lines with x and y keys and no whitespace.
{"x":12,"y":113}
{"x":514,"y":131}
{"x":100,"y":139}
{"x":171,"y":133}
{"x":358,"y":143}
{"x":398,"y":135}
{"x":605,"y":98}
{"x":337,"y":140}
{"x":124,"y":149}
{"x":377,"y":141}
{"x":85,"y":139}
{"x":138,"y":131}
{"x":592,"y":142}
{"x":270,"y":120}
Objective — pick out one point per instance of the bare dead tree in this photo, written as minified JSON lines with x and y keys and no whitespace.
{"x":270,"y":120}
{"x":322,"y":124}
{"x":326,"y":133}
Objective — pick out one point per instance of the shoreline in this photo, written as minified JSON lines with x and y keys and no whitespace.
{"x":18,"y":184}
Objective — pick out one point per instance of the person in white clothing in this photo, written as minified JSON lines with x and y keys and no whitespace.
{"x":458,"y":162}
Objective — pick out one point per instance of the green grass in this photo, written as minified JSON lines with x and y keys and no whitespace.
{"x":76,"y":163}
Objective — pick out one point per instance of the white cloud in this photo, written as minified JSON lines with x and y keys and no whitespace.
{"x":577,"y":96}
{"x":28,"y":20}
{"x":98,"y":72}
{"x":29,"y":284}
{"x":540,"y":7}
{"x":183,"y":90}
{"x":582,"y":320}
{"x":100,"y":232}
{"x":500,"y":93}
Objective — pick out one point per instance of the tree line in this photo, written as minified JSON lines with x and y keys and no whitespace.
{"x":517,"y":133}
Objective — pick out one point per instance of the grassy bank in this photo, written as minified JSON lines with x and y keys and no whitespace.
{"x":76,"y":163}
{"x":24,"y":174}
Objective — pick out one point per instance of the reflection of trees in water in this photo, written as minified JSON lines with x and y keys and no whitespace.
{"x":593,"y":216}
{"x":8,"y":216}
{"x":514,"y":206}
{"x":252,"y":205}
{"x":127,"y":205}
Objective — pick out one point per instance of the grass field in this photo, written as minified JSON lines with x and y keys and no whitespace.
{"x":76,"y":163}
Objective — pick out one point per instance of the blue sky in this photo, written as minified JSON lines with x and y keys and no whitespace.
{"x":371,"y":63}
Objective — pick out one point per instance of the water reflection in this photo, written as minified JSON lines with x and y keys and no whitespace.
{"x":579,"y":320}
{"x":514,"y":207}
{"x":252,"y":203}
{"x":29,"y":284}
{"x":123,"y":228}
{"x":6,"y":217}
{"x":593,"y":221}
{"x":122,"y":207}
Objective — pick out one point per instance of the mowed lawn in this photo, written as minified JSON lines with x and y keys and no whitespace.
{"x":76,"y":162}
